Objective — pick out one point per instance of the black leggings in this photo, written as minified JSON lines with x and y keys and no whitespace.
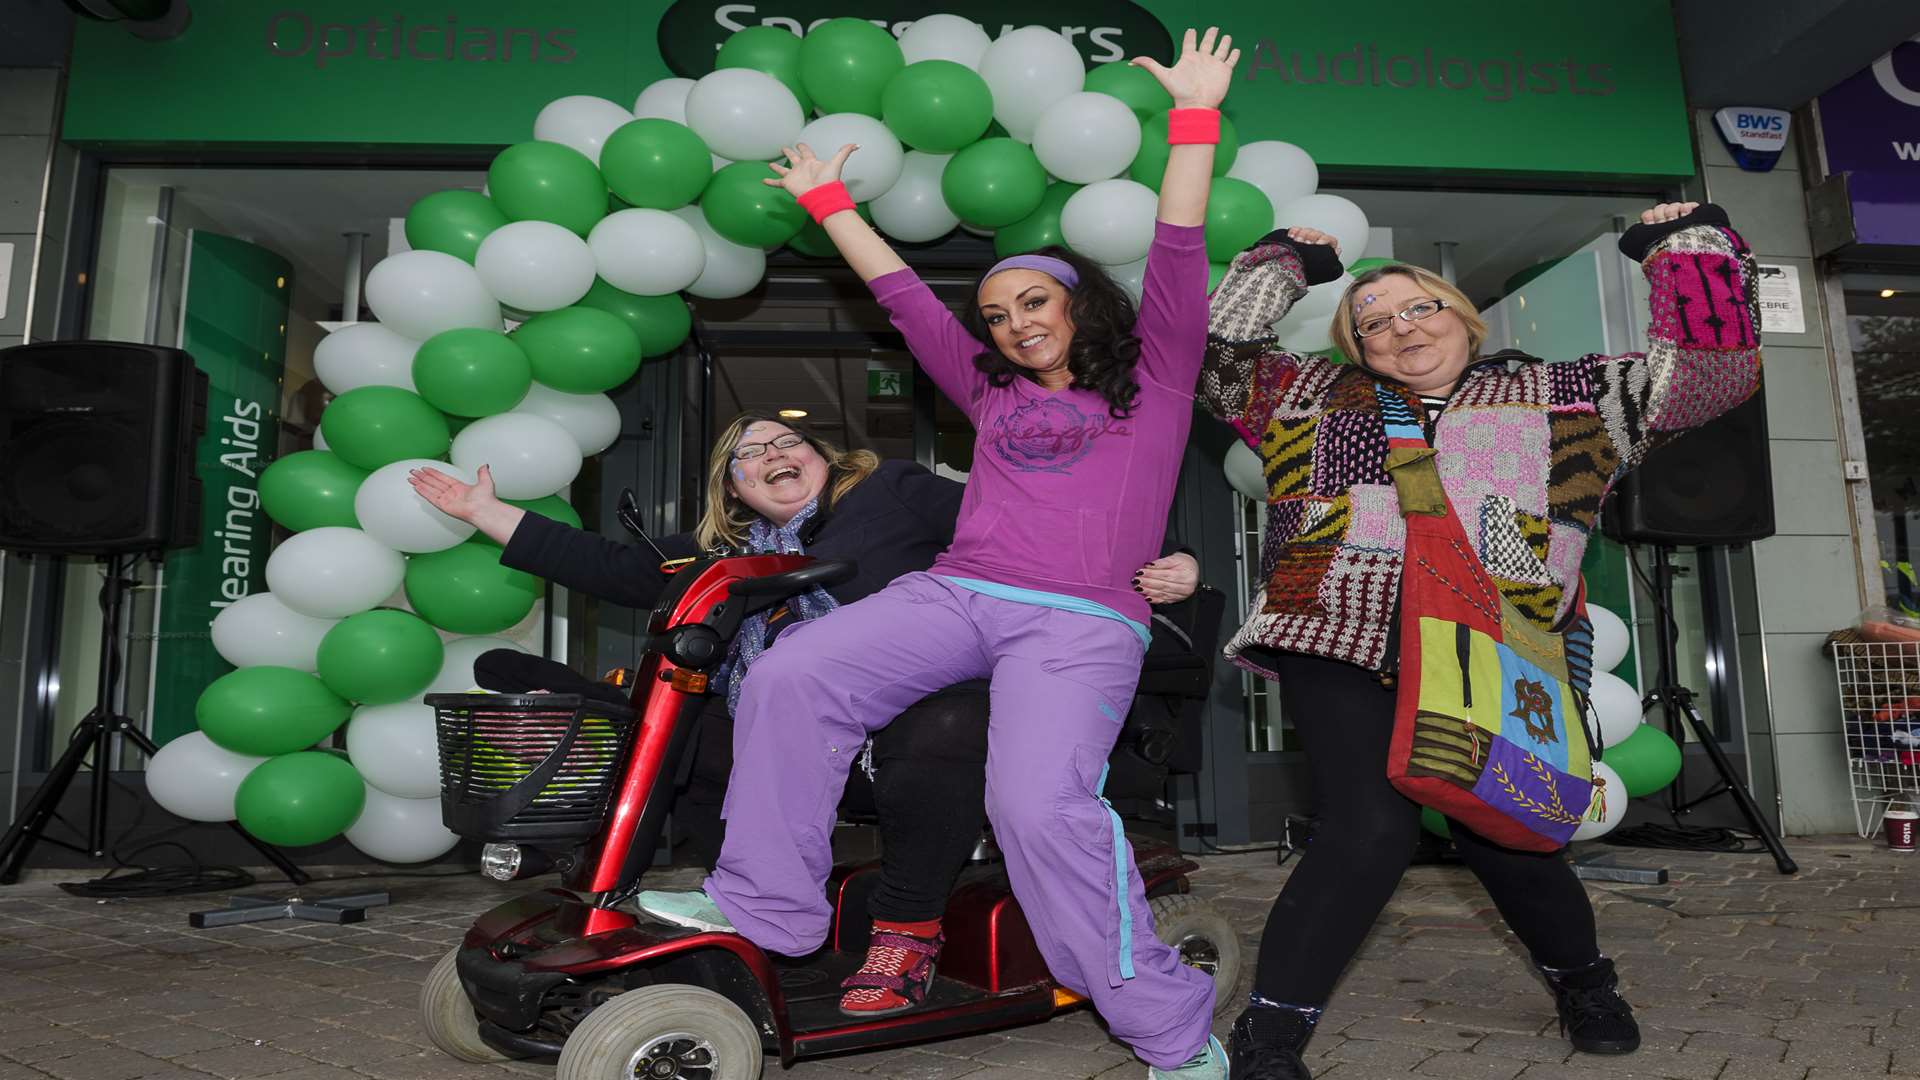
{"x":1365,"y":837}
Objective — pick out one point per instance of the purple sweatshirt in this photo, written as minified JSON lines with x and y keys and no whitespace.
{"x":1063,"y":497}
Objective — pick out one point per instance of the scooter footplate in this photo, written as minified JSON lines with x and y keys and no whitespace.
{"x":812,"y":992}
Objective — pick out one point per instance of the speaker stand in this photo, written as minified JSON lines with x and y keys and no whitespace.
{"x":93,"y":737}
{"x":1676,"y":707}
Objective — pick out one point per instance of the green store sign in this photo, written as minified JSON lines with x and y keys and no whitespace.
{"x":1542,"y":89}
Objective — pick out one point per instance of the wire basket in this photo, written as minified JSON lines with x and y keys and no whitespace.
{"x":528,"y":766}
{"x":1880,"y":714}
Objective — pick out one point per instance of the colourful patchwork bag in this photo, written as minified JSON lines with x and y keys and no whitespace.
{"x":1489,"y":724}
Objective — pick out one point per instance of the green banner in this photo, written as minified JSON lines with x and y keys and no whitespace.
{"x":233,"y":323}
{"x":1557,"y":87}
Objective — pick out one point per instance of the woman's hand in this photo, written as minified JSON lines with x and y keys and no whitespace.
{"x":1168,"y":579}
{"x":1667,"y":211}
{"x":473,"y":503}
{"x":1300,"y":234}
{"x":804,"y":172}
{"x":1201,"y":77}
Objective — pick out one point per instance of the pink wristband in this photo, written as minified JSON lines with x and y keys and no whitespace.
{"x":1193,"y":126}
{"x":826,"y":200}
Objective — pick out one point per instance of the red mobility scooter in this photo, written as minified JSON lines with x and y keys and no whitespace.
{"x":570,"y":783}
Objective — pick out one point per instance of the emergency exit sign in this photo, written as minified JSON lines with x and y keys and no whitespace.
{"x":884,"y":385}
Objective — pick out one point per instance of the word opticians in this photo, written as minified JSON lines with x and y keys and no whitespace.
{"x":1499,"y":78}
{"x":294,"y":34}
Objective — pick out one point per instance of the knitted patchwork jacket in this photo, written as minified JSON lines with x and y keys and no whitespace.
{"x":1526,"y":449}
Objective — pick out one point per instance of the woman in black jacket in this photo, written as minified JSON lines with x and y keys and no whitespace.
{"x":772,"y":487}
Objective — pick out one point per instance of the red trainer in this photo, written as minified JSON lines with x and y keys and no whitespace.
{"x":898,"y":969}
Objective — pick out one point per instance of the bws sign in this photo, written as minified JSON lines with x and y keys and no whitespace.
{"x":1754,"y":137}
{"x":1103,"y":32}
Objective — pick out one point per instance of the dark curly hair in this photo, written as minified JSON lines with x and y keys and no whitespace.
{"x":1104,"y":349}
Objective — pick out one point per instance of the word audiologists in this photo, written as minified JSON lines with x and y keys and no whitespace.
{"x":295,"y":33}
{"x":1364,"y":65}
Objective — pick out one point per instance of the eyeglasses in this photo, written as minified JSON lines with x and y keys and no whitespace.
{"x":747,"y":451}
{"x":1425,"y":309}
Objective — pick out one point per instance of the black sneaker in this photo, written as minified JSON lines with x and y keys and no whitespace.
{"x":1262,"y":1060}
{"x":1593,"y":1015}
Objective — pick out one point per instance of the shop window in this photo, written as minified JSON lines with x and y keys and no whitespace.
{"x":1883,"y":328}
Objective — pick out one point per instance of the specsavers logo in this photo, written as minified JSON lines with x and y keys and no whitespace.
{"x":1103,"y":32}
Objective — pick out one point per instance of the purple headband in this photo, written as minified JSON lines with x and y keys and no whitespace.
{"x":1059,"y":269}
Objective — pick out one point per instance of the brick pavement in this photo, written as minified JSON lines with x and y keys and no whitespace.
{"x":1738,"y":974}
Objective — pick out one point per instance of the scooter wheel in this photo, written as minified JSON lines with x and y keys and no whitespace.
{"x":448,"y":1016}
{"x":1204,"y":939}
{"x":668,"y":1032}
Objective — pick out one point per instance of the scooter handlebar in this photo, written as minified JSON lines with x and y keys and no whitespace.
{"x":825,"y":573}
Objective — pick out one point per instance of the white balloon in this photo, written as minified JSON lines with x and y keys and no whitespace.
{"x":1028,"y":70}
{"x":1110,"y":222}
{"x":647,"y":252}
{"x":1331,"y":214}
{"x":1281,"y":170}
{"x":1610,"y":638}
{"x":874,"y":167}
{"x":320,"y":440}
{"x":194,"y":778}
{"x":364,"y":354}
{"x":1130,"y":276}
{"x":665,"y":99}
{"x":913,"y":210}
{"x":1085,"y":137}
{"x":592,"y":419}
{"x":456,"y":671}
{"x":420,"y":293}
{"x":259,"y":629}
{"x":580,"y":121}
{"x":392,"y":512}
{"x":731,"y":269}
{"x":535,"y":265}
{"x":744,"y":114}
{"x":530,"y":456}
{"x":944,"y":37}
{"x":332,"y":572}
{"x":394,"y":748}
{"x":1244,"y":472}
{"x":400,"y":830}
{"x":1616,"y":708}
{"x":1308,"y":326}
{"x":1615,"y":799}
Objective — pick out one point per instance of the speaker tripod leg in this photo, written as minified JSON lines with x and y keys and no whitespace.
{"x":20,"y":838}
{"x":1738,"y":790}
{"x":272,"y":854}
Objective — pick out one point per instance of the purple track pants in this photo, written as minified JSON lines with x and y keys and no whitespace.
{"x":1062,"y":681}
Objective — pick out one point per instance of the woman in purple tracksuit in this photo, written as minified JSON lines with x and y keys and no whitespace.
{"x":1081,"y":422}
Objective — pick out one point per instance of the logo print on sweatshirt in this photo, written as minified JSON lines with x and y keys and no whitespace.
{"x":1049,"y":436}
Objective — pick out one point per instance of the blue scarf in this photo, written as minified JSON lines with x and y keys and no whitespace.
{"x":765,"y":538}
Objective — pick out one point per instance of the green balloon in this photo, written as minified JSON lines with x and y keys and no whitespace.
{"x":846,"y":63}
{"x":656,"y":163}
{"x":937,"y":106}
{"x":266,"y":710}
{"x":543,"y":181}
{"x":812,"y":240}
{"x":1646,"y":760}
{"x":1139,"y":90}
{"x":453,"y":222}
{"x":1237,"y":214}
{"x":472,"y":372}
{"x":378,"y":425}
{"x":1435,"y":822}
{"x":1361,"y":266}
{"x":300,"y":799}
{"x":1215,"y":271}
{"x":660,"y":322}
{"x":1150,"y":164}
{"x":582,"y":350}
{"x":551,"y":506}
{"x":771,"y":49}
{"x":309,"y":489}
{"x":465,"y":589}
{"x":379,"y":657}
{"x":748,"y":212}
{"x":1038,"y":229}
{"x":994,"y":182}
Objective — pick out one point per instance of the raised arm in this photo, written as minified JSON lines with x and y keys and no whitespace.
{"x":804,"y":175}
{"x":1244,"y":363}
{"x":1199,"y":79}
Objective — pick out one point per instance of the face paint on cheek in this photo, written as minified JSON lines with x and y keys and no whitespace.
{"x":740,"y":474}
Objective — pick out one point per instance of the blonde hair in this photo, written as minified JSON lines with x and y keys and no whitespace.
{"x":725,"y":522}
{"x":1344,"y":331}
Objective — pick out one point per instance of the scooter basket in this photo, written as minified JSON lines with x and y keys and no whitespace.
{"x":528,"y":766}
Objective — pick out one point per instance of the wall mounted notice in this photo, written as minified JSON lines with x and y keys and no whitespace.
{"x":6,"y":275}
{"x":1780,"y":309}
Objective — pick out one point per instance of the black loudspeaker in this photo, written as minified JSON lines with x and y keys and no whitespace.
{"x":1712,"y":485}
{"x":97,"y":444}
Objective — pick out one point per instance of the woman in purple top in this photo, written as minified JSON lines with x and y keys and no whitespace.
{"x":1082,"y":419}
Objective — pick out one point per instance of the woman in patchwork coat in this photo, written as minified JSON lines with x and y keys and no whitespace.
{"x":1526,"y":450}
